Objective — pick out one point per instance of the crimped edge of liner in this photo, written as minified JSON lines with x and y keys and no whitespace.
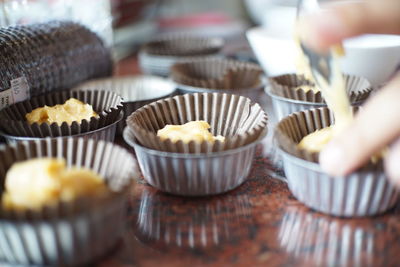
{"x":285,"y":90}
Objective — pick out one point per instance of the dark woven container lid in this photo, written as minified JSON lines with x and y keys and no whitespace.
{"x":51,"y":56}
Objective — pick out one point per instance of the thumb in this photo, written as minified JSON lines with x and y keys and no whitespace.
{"x":342,"y":20}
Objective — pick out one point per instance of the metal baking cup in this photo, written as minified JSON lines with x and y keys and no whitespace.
{"x":286,"y":100}
{"x":193,"y":174}
{"x":236,"y":118}
{"x":136,"y":91}
{"x":107,"y":105}
{"x":70,"y":233}
{"x":219,"y":75}
{"x":366,"y":192}
{"x":156,"y":57}
{"x":106,"y":133}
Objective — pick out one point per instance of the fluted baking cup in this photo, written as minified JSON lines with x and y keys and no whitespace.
{"x":106,"y":133}
{"x":286,"y":99}
{"x":193,"y":174}
{"x":108,"y":106}
{"x":236,"y":118}
{"x":217,"y":74}
{"x":136,"y":91}
{"x":365,"y":192}
{"x":183,"y":46}
{"x":156,"y":57}
{"x":69,"y":233}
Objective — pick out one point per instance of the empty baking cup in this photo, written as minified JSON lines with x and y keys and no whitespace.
{"x":136,"y":91}
{"x":157,"y":56}
{"x":237,"y":118}
{"x":108,"y":106}
{"x":68,"y":233}
{"x":193,"y":174}
{"x":365,"y":192}
{"x":288,"y":96}
{"x":219,"y":75}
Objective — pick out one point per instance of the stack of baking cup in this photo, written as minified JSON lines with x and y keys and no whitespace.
{"x":197,"y":168}
{"x":55,"y":55}
{"x":219,"y":75}
{"x":68,"y":233}
{"x":288,"y":96}
{"x":136,"y":91}
{"x":156,"y":57}
{"x":108,"y":106}
{"x":365,"y":192}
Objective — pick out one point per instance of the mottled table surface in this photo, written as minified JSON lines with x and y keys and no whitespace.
{"x":258,"y":224}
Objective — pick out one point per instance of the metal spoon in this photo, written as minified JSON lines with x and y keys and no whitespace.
{"x":320,"y":64}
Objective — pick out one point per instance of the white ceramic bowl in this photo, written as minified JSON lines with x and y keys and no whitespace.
{"x":375,"y":57}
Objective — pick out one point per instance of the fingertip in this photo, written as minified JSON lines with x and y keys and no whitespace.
{"x":332,"y":160}
{"x":392,"y":165}
{"x":321,"y":30}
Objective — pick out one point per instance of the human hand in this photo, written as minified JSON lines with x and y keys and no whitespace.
{"x":378,"y":125}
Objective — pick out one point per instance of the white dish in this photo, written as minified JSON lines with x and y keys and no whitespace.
{"x":375,"y":56}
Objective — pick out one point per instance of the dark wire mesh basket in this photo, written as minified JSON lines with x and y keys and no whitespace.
{"x":51,"y":56}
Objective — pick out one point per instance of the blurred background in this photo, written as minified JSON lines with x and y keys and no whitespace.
{"x":125,"y":24}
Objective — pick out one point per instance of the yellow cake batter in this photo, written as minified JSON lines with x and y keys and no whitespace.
{"x":72,"y":110}
{"x":197,"y":131}
{"x":335,"y":96}
{"x":307,"y":88}
{"x":37,"y":182}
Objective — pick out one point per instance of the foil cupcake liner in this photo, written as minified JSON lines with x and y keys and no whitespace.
{"x":286,"y":100}
{"x":219,"y":75}
{"x":183,"y":45}
{"x":136,"y":91}
{"x":193,"y":174}
{"x":327,"y":241}
{"x":207,"y":224}
{"x":156,"y":57}
{"x":234,"y":117}
{"x":69,"y":233}
{"x":107,"y":105}
{"x":106,"y":133}
{"x":365,"y":192}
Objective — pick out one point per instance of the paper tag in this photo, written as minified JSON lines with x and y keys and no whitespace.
{"x":18,"y":92}
{"x":20,"y":89}
{"x":6,"y":98}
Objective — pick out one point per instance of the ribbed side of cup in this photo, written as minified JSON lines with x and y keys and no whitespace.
{"x":194,"y":175}
{"x":67,"y":242}
{"x":284,"y":107}
{"x":363,"y":193}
